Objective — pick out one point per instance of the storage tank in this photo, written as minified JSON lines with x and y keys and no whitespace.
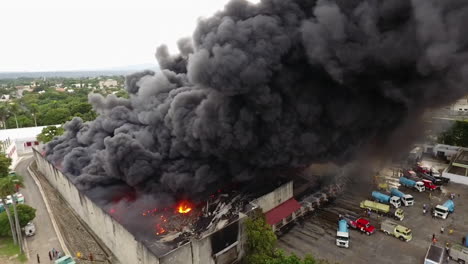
{"x":342,"y":226}
{"x":407,"y":182}
{"x":396,"y":192}
{"x":383,"y":198}
{"x":450,"y":205}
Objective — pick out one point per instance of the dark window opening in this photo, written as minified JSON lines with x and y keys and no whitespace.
{"x":224,"y":237}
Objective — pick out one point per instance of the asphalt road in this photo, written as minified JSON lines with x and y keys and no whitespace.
{"x":45,"y":238}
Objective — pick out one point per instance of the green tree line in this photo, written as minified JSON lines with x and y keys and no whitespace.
{"x":457,"y":135}
{"x":48,"y":108}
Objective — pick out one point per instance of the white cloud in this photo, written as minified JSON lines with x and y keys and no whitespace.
{"x":82,"y":34}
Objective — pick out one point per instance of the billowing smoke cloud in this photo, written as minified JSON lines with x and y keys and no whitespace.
{"x":276,"y":85}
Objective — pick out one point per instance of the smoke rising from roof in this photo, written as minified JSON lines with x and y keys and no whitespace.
{"x":274,"y":85}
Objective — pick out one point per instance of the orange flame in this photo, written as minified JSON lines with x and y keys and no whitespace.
{"x":184,"y":207}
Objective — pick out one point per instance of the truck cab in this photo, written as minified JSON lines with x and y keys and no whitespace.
{"x":365,"y":226}
{"x":399,"y":214}
{"x":441,"y":211}
{"x":360,"y":224}
{"x":429,"y":185}
{"x":406,"y":199}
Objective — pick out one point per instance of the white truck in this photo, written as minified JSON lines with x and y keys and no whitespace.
{"x":342,"y":234}
{"x":406,"y":199}
{"x":434,"y":255}
{"x":393,"y":229}
{"x":458,"y":253}
{"x":442,"y":211}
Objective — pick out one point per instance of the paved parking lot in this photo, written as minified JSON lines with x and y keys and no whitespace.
{"x":317,"y":235}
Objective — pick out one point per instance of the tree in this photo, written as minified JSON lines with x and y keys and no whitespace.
{"x":56,"y":116}
{"x":4,"y":114}
{"x":8,"y":186}
{"x":457,"y":135}
{"x":13,"y":109}
{"x":261,"y":245}
{"x":5,"y":163}
{"x":48,"y":133}
{"x":25,"y":214}
{"x":33,"y":108}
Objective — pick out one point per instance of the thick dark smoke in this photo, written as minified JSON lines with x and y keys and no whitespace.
{"x":271,"y":86}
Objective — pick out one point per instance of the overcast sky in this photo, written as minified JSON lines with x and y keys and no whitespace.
{"x":48,"y":35}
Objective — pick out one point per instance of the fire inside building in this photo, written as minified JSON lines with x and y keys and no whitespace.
{"x":189,"y":233}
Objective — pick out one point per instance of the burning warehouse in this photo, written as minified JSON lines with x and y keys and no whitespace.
{"x":260,"y":90}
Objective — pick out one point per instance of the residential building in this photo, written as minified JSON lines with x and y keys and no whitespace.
{"x":109,"y":83}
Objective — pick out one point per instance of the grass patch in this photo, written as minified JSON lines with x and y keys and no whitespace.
{"x":8,"y":249}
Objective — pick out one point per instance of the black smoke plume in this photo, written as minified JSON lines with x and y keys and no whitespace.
{"x":271,"y":86}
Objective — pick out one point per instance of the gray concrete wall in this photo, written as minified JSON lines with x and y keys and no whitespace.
{"x":115,"y":236}
{"x":121,"y":242}
{"x":276,"y":197}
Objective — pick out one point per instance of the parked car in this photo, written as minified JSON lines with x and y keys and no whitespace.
{"x":19,"y":198}
{"x":30,"y":229}
{"x":65,"y":260}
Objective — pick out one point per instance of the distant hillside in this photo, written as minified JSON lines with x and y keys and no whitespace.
{"x":124,"y":70}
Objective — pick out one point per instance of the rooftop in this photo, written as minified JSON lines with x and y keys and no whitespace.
{"x":462,"y":158}
{"x":17,"y":133}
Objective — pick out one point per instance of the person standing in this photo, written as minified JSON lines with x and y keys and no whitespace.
{"x":50,"y":256}
{"x":38,"y":259}
{"x":442,"y":230}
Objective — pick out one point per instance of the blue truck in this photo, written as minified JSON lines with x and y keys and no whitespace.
{"x":406,"y":199}
{"x":418,"y":185}
{"x":383,"y":198}
{"x":342,"y":234}
{"x":442,"y":211}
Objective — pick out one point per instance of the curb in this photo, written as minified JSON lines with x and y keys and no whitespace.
{"x":51,"y":215}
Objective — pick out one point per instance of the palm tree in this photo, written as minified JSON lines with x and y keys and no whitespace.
{"x":34,"y":108}
{"x":3,"y":194}
{"x":8,"y":186}
{"x":13,"y":108}
{"x":3,"y":114}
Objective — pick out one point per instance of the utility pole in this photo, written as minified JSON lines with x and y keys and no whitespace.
{"x":17,"y":223}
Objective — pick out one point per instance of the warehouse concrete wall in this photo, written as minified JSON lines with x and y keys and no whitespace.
{"x":276,"y":197}
{"x":121,"y":242}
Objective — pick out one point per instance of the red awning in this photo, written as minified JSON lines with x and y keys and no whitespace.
{"x":282,"y":211}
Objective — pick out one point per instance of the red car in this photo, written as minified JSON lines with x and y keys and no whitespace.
{"x":410,"y":174}
{"x":361,"y":224}
{"x":422,"y":169}
{"x":429,"y":185}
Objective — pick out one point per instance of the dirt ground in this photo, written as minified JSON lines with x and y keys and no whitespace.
{"x":317,"y":235}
